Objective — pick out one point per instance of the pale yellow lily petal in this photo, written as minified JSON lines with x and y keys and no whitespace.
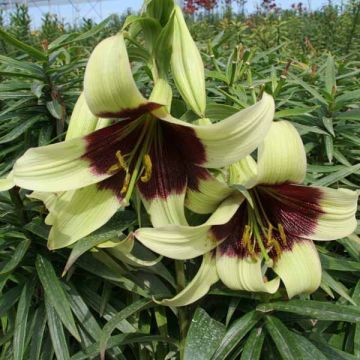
{"x":162,"y":94}
{"x":187,"y":66}
{"x":299,"y":268}
{"x":243,"y":172}
{"x":243,"y":273}
{"x":338,"y":218}
{"x":199,"y":285}
{"x":56,"y":167}
{"x":102,"y":123}
{"x":82,"y":121}
{"x":234,"y":138}
{"x":7,"y":183}
{"x":167,"y":211}
{"x":281,"y":157}
{"x":49,"y":200}
{"x":209,"y":194}
{"x":123,"y":250}
{"x":109,"y":86}
{"x":186,"y":242}
{"x":86,"y":211}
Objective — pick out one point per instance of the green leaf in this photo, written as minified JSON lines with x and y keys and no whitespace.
{"x":122,"y":315}
{"x":315,"y":310}
{"x":16,"y":256}
{"x":329,"y":146}
{"x":204,"y":336}
{"x":280,"y":335}
{"x":8,"y":299}
{"x":21,"y":319}
{"x":111,"y":230}
{"x":253,"y":345}
{"x":217,"y":112}
{"x":310,"y":89}
{"x":338,"y":263}
{"x":356,"y":298}
{"x":83,"y":314}
{"x":307,"y":350}
{"x":337,"y":286}
{"x":56,"y":332}
{"x":37,"y":338}
{"x":35,"y":70}
{"x":330,"y":75}
{"x":286,"y":113}
{"x":122,"y":339}
{"x":55,"y":294}
{"x":19,"y":130}
{"x":236,"y":333}
{"x":337,"y":176}
{"x":22,"y":46}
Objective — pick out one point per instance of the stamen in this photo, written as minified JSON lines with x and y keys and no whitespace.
{"x":126,"y":183}
{"x":121,"y":160}
{"x":121,"y":165}
{"x":246,"y":235}
{"x":282,"y":234}
{"x":269,"y":234}
{"x":276,"y":246}
{"x":148,"y":168}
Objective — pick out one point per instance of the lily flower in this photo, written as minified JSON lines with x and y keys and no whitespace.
{"x":269,"y":222}
{"x":146,"y":148}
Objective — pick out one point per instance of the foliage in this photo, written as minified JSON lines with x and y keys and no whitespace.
{"x":47,"y":313}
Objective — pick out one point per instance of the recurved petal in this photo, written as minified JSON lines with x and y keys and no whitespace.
{"x":243,"y":273}
{"x":56,"y":167}
{"x":243,"y":172}
{"x":299,"y":268}
{"x":7,"y":183}
{"x":82,"y":121}
{"x":186,"y":242}
{"x":206,"y":193}
{"x":166,"y":211}
{"x":109,"y":86}
{"x":231,"y":139}
{"x":338,"y":214}
{"x":79,"y":214}
{"x":310,"y":212}
{"x":199,"y":285}
{"x":281,"y":156}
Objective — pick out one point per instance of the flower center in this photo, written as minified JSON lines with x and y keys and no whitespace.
{"x":136,"y":164}
{"x":260,"y":233}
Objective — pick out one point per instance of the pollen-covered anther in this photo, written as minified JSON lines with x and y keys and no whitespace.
{"x":282,"y":234}
{"x":126,"y":183}
{"x":147,"y":167}
{"x":120,"y":165}
{"x":276,"y":246}
{"x":246,"y":241}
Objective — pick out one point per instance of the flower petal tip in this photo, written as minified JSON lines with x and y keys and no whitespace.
{"x":7,"y":183}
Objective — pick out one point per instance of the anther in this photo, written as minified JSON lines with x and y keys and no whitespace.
{"x":282,"y":234}
{"x":148,"y":168}
{"x":276,"y":246}
{"x":126,"y":183}
{"x":121,"y":165}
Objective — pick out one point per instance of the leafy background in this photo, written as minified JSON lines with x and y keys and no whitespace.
{"x":76,"y":303}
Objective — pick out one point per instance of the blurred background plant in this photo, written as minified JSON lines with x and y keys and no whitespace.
{"x":309,"y":61}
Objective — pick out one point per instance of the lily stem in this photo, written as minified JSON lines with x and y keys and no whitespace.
{"x":19,"y":206}
{"x":182,"y":311}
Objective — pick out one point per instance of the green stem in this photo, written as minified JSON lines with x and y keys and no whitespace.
{"x":19,"y":206}
{"x":182,"y":311}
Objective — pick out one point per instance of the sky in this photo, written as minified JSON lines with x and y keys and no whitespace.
{"x":99,"y":10}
